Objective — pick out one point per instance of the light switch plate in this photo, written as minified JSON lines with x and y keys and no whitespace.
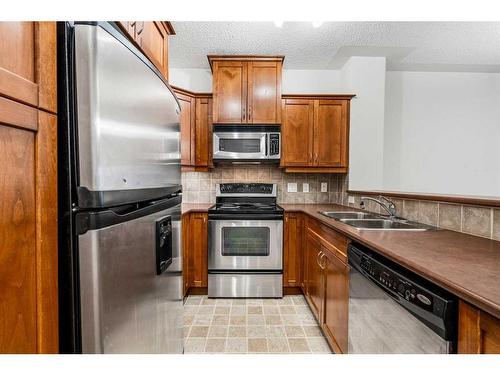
{"x":292,"y":187}
{"x":324,"y":187}
{"x":305,"y":187}
{"x":351,"y":199}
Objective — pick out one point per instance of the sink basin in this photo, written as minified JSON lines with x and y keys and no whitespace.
{"x":384,"y":224}
{"x":339,"y":215}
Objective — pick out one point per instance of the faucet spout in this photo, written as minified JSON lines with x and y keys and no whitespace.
{"x":384,"y":202}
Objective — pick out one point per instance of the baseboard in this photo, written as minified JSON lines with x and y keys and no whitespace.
{"x":292,"y":290}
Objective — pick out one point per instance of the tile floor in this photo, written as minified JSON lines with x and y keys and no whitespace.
{"x":251,"y":326}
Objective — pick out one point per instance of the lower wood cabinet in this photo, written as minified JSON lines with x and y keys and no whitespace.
{"x":326,"y":282}
{"x":478,"y":331}
{"x":292,"y":248}
{"x":314,"y":280}
{"x":195,"y":250}
{"x":336,"y":310}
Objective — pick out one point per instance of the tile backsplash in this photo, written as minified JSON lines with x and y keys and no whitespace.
{"x":199,"y":187}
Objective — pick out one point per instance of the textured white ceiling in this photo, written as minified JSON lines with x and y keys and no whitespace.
{"x":434,"y":46}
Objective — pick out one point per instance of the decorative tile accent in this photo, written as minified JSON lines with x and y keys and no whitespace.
{"x":279,"y":332}
{"x":477,"y":221}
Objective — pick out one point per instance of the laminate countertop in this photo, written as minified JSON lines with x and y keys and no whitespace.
{"x":466,"y":265}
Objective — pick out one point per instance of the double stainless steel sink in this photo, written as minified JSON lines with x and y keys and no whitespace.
{"x":369,"y":221}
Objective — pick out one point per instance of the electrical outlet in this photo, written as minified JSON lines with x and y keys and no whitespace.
{"x":350,"y":200}
{"x":324,"y":187}
{"x":305,"y":187}
{"x":292,"y":187}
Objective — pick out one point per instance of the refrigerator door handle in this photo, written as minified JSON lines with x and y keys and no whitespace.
{"x":91,"y":220}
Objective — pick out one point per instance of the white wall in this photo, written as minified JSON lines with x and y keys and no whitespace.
{"x":196,"y":80}
{"x":442,"y":133}
{"x":365,"y":77}
{"x":294,"y":81}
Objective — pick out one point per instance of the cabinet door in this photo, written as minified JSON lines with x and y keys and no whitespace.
{"x":28,"y":229}
{"x":314,"y":283}
{"x":330,"y":133}
{"x":187,"y":120}
{"x":153,"y":40}
{"x":336,"y":315}
{"x":198,"y":232}
{"x":478,"y":332}
{"x":28,"y":63}
{"x":128,"y":27}
{"x":229,"y":92}
{"x":292,"y":270}
{"x":203,"y":132}
{"x":264,"y":92}
{"x":297,"y":132}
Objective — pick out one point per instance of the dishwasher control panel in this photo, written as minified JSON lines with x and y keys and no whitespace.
{"x":400,"y":285}
{"x":425,"y":300}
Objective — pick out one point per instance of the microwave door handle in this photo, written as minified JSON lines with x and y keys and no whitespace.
{"x":267,"y":153}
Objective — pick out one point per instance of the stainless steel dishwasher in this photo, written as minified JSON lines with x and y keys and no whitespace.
{"x":393,"y":310}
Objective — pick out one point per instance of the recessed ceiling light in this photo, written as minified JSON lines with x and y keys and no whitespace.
{"x":278,"y":23}
{"x":317,"y":24}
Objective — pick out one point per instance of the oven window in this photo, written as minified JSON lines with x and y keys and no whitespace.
{"x":247,"y":145}
{"x":245,"y":241}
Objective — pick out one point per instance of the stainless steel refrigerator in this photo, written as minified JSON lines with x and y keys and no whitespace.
{"x":120,"y":197}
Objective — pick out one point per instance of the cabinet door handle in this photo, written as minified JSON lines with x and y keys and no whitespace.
{"x":249,"y":113}
{"x":244,"y":117}
{"x":317,"y":259}
{"x":323,"y":265}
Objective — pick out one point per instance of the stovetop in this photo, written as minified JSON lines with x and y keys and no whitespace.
{"x":246,"y":198}
{"x":245,"y":208}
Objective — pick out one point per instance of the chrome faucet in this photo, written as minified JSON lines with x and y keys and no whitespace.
{"x":388,"y":206}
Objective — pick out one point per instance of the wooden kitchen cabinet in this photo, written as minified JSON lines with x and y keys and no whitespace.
{"x":28,"y":188}
{"x":28,"y":63}
{"x":196,"y":130}
{"x":326,"y":282}
{"x":246,"y":89}
{"x":315,"y":133}
{"x":478,"y":331}
{"x":203,"y":132}
{"x":314,"y":279}
{"x":336,"y":308}
{"x":293,"y":259}
{"x":152,"y":38}
{"x":197,"y":250}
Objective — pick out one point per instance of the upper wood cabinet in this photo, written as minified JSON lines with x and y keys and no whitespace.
{"x":152,"y":38}
{"x":315,"y":133}
{"x":246,"y":89}
{"x":196,"y":129}
{"x":478,"y":331}
{"x":28,"y":188}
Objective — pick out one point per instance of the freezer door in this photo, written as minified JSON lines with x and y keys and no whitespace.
{"x":128,"y":132}
{"x":379,"y":325}
{"x":126,"y":307}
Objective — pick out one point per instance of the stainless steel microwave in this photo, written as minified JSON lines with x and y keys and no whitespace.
{"x":246,"y":143}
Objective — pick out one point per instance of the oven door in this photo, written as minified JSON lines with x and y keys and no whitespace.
{"x":245,"y":245}
{"x":248,"y":146}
